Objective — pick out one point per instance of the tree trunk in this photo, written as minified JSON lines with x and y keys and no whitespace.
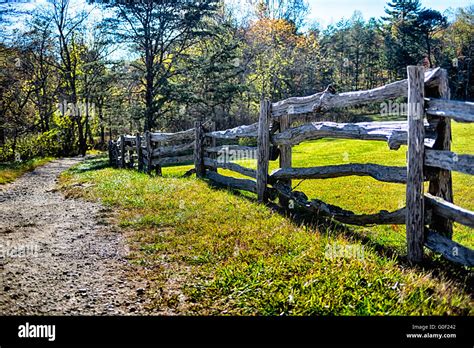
{"x":428,"y":45}
{"x":81,"y":138}
{"x":81,"y":130}
{"x":2,"y":133}
{"x":149,"y":95}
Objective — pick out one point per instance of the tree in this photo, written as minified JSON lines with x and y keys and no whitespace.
{"x":357,"y":46}
{"x":272,"y":44}
{"x":94,"y":80}
{"x":39,"y":43}
{"x":292,"y":11}
{"x":402,"y":42}
{"x":429,"y":23}
{"x":16,"y":117}
{"x":457,"y":50}
{"x":402,"y":11}
{"x":210,"y":75}
{"x":68,"y":32}
{"x":160,"y":32}
{"x":374,"y":57}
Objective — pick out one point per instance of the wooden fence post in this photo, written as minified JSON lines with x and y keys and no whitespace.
{"x":130,"y":156}
{"x":138,"y":144}
{"x":111,"y":155}
{"x":285,"y":155}
{"x":263,"y":151}
{"x":122,"y":151}
{"x":414,"y":189}
{"x":213,"y":143}
{"x":157,"y":167}
{"x":441,"y":182}
{"x":198,"y":150}
{"x":149,"y":152}
{"x":116,"y":153}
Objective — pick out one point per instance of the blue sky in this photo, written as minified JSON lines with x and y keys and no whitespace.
{"x":324,"y":12}
{"x":331,"y":11}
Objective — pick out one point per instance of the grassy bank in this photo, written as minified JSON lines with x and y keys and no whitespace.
{"x":210,"y":251}
{"x":9,"y":172}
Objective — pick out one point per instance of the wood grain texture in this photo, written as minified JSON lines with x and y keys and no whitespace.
{"x":249,"y":131}
{"x":450,"y":161}
{"x":211,"y":163}
{"x":263,"y":149}
{"x":441,"y":183}
{"x":414,"y":190}
{"x":212,"y":142}
{"x":237,"y":184}
{"x":382,"y":131}
{"x":198,"y":150}
{"x":173,"y":150}
{"x":231,"y":148}
{"x":285,"y":155}
{"x":450,"y":250}
{"x":168,"y":137}
{"x":457,"y":110}
{"x":122,"y":152}
{"x":139,"y":150}
{"x":449,"y":210}
{"x":325,"y":101}
{"x":162,"y":161}
{"x":378,"y":172}
{"x":149,"y":151}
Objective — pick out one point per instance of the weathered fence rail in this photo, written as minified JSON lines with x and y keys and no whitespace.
{"x":427,"y":133}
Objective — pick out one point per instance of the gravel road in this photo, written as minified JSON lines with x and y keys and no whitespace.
{"x":59,"y":256}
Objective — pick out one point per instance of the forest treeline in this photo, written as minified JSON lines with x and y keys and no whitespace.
{"x":69,"y":81}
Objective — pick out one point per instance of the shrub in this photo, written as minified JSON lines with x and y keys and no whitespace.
{"x":31,"y":146}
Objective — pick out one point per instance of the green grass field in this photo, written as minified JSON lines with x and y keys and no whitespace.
{"x":364,"y":194}
{"x":210,"y":251}
{"x":9,"y":172}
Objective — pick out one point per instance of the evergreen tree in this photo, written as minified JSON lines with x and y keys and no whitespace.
{"x":402,"y":41}
{"x":428,"y":24}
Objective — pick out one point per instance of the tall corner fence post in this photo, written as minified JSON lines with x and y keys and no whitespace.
{"x":263,"y":149}
{"x":149,"y":152}
{"x":441,"y":182}
{"x":122,"y":152}
{"x":138,"y":144}
{"x":285,"y":155}
{"x":198,"y":150}
{"x":414,"y":188}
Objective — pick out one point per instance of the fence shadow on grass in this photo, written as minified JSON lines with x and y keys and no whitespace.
{"x":92,"y":163}
{"x":438,"y":266}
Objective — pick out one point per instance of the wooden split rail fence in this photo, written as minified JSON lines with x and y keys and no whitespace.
{"x":428,"y":216}
{"x":151,"y":151}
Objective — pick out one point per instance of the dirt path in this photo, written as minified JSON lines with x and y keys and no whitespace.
{"x":58,"y":256}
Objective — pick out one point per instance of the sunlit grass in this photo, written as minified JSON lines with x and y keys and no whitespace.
{"x":95,"y":152}
{"x":364,"y":194}
{"x":11,"y":171}
{"x":209,"y":251}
